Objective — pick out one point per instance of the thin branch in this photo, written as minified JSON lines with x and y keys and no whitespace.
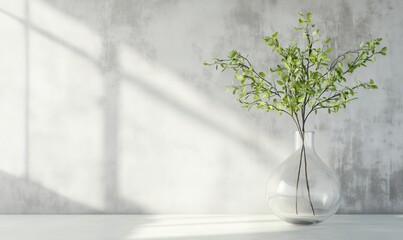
{"x":307,"y":181}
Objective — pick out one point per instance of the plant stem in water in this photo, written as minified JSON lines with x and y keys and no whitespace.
{"x":303,"y":153}
{"x":307,"y":183}
{"x":296,"y":189}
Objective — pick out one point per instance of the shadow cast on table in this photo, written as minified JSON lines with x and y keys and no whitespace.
{"x":209,"y":223}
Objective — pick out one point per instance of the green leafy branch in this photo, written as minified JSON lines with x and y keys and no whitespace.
{"x":305,"y":80}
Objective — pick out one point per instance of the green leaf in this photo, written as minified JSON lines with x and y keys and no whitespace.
{"x":371,"y":81}
{"x":232,"y":54}
{"x":262,"y":74}
{"x":384,"y":50}
{"x":308,"y":17}
{"x":239,"y":77}
{"x":328,"y":41}
{"x":274,"y":36}
{"x":281,"y":106}
{"x":326,"y":84}
{"x":280,"y":82}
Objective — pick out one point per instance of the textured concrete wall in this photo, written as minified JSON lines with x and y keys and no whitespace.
{"x":105,"y":106}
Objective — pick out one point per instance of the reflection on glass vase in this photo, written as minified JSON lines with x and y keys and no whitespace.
{"x":303,"y":189}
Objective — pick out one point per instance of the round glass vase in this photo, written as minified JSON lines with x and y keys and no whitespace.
{"x":303,"y":189}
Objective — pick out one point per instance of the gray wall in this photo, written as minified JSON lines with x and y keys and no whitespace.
{"x":105,"y":106}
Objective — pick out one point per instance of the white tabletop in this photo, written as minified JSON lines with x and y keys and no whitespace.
{"x":198,"y":227}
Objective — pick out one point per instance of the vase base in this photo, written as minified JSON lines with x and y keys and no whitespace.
{"x":306,"y":219}
{"x":302,"y":221}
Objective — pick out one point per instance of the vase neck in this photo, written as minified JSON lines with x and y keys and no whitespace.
{"x":307,"y":139}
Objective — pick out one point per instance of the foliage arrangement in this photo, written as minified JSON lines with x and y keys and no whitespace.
{"x":305,"y":80}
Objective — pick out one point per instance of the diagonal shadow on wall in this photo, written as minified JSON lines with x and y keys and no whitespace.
{"x":112,"y":77}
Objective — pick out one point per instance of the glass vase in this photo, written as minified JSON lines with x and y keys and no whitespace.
{"x":303,"y":189}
